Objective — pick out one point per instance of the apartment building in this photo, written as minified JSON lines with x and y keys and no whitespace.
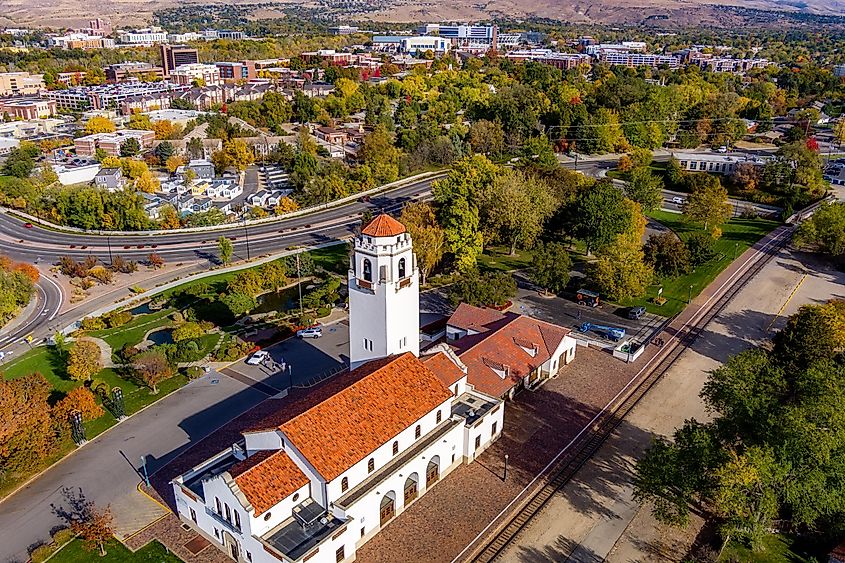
{"x":142,"y":71}
{"x":82,"y":41}
{"x":463,"y":36}
{"x":111,"y":142}
{"x":108,"y":96}
{"x":208,"y":75}
{"x":563,"y":61}
{"x":631,"y":60}
{"x":20,"y":83}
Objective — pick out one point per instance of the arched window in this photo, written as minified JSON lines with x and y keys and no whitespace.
{"x":439,"y":417}
{"x":417,"y":431}
{"x":344,"y":484}
{"x":371,"y":465}
{"x":395,"y":448}
{"x":401,"y":268}
{"x":368,"y":270}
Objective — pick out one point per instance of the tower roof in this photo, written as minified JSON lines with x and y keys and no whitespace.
{"x":384,"y":226}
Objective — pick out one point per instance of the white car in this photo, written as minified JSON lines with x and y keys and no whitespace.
{"x":678,"y":200}
{"x":722,"y":149}
{"x":258,"y":358}
{"x":313,"y":332}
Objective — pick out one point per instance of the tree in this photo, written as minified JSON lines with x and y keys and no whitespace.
{"x":225,"y":248}
{"x":155,"y":260}
{"x":27,"y":431}
{"x":98,"y":124}
{"x":95,"y":527}
{"x":164,"y":151}
{"x":274,"y":275}
{"x":492,"y":289}
{"x":84,"y":360}
{"x":645,"y":187}
{"x":456,"y":197}
{"x":429,"y":238}
{"x":248,"y":282}
{"x":746,"y":176}
{"x":514,"y":208}
{"x":168,"y":218}
{"x":140,"y":121}
{"x":601,"y":214}
{"x":286,"y":205}
{"x":824,"y":230}
{"x":620,"y":271}
{"x":708,"y":204}
{"x":238,"y":154}
{"x":77,"y":399}
{"x":667,"y":254}
{"x":151,"y":368}
{"x":187,"y":331}
{"x":379,"y":153}
{"x":147,"y":183}
{"x":551,"y":267}
{"x":815,"y":332}
{"x":487,"y":137}
{"x":238,"y":304}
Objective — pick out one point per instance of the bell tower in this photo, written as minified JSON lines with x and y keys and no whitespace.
{"x":384,"y":294}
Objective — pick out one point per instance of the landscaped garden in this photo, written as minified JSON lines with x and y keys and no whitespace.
{"x":116,"y":552}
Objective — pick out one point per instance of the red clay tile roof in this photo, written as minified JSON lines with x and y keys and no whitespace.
{"x":478,"y":319}
{"x":444,"y":368}
{"x":266,"y":478}
{"x":343,"y":429}
{"x":506,"y":345}
{"x":383,"y":226}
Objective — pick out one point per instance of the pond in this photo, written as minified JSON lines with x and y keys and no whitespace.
{"x":282,"y":301}
{"x":163,"y":336}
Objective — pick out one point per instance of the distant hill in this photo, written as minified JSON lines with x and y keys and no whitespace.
{"x":669,"y":13}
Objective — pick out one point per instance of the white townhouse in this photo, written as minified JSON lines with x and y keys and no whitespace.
{"x":321,"y":476}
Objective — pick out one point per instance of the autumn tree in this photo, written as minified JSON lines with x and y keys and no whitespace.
{"x":667,"y":254}
{"x":248,"y":282}
{"x":98,"y":124}
{"x":173,"y":162}
{"x":27,"y":431}
{"x":429,"y":238}
{"x":155,"y":260}
{"x":824,"y":230}
{"x":286,"y":205}
{"x":147,"y":183}
{"x":77,"y":399}
{"x":620,"y":271}
{"x":95,"y":527}
{"x":187,"y":331}
{"x":84,"y":360}
{"x":151,"y":368}
{"x":487,"y":137}
{"x":274,"y":275}
{"x":551,"y":267}
{"x":238,"y":154}
{"x":380,"y":154}
{"x":645,"y":187}
{"x":746,"y":176}
{"x":708,"y":204}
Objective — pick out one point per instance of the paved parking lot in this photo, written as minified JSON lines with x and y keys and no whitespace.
{"x":305,"y":359}
{"x":569,"y":314}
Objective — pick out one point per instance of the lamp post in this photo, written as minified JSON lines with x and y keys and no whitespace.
{"x":144,"y":468}
{"x":736,"y":248}
{"x":689,"y":295}
{"x":505,"y":478}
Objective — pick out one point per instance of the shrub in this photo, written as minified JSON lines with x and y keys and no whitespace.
{"x":323,"y":312}
{"x":136,"y":289}
{"x":118,"y":318}
{"x":62,"y":536}
{"x":42,"y":553}
{"x":101,"y":274}
{"x":127,"y":352}
{"x":231,"y":350}
{"x":92,"y":323}
{"x":177,"y":317}
{"x":187,"y":331}
{"x":194,"y":372}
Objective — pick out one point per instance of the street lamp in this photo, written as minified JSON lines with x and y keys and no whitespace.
{"x":689,"y":295}
{"x":736,"y":247}
{"x":505,"y":478}
{"x":144,"y":467}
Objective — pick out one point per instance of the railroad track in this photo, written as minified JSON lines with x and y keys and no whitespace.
{"x":604,"y":427}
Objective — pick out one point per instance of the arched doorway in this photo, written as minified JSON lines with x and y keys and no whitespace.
{"x":231,"y":545}
{"x":388,"y":508}
{"x":432,"y":472}
{"x":412,"y":488}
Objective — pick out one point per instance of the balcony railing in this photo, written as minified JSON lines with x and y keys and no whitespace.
{"x":221,"y":520}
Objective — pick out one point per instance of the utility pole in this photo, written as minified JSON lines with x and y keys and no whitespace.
{"x":246,"y":234}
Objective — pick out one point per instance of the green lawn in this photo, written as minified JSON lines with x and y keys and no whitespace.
{"x":133,"y":331}
{"x":737,"y":236}
{"x":497,"y":258}
{"x":776,"y":549}
{"x":116,"y":552}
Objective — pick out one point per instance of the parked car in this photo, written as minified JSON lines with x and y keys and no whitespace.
{"x":28,"y":225}
{"x":258,"y":358}
{"x":722,"y":149}
{"x":313,"y":332}
{"x":635,"y":313}
{"x":678,"y":200}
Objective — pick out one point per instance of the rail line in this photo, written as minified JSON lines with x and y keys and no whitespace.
{"x":607,"y":424}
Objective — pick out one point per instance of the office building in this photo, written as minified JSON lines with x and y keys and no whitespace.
{"x":177,"y":55}
{"x":197,"y":73}
{"x":142,"y":71}
{"x":147,"y":36}
{"x":20,"y":83}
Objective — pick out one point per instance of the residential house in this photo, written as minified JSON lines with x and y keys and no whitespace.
{"x":110,"y":179}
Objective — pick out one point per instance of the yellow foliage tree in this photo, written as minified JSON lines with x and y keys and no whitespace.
{"x":286,"y":205}
{"x":84,"y":360}
{"x":147,"y":183}
{"x":98,"y":124}
{"x":173,"y":162}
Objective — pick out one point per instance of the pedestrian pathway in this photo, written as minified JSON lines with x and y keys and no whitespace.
{"x":105,"y":351}
{"x":135,"y":511}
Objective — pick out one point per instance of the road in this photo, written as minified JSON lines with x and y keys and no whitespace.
{"x":160,"y":433}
